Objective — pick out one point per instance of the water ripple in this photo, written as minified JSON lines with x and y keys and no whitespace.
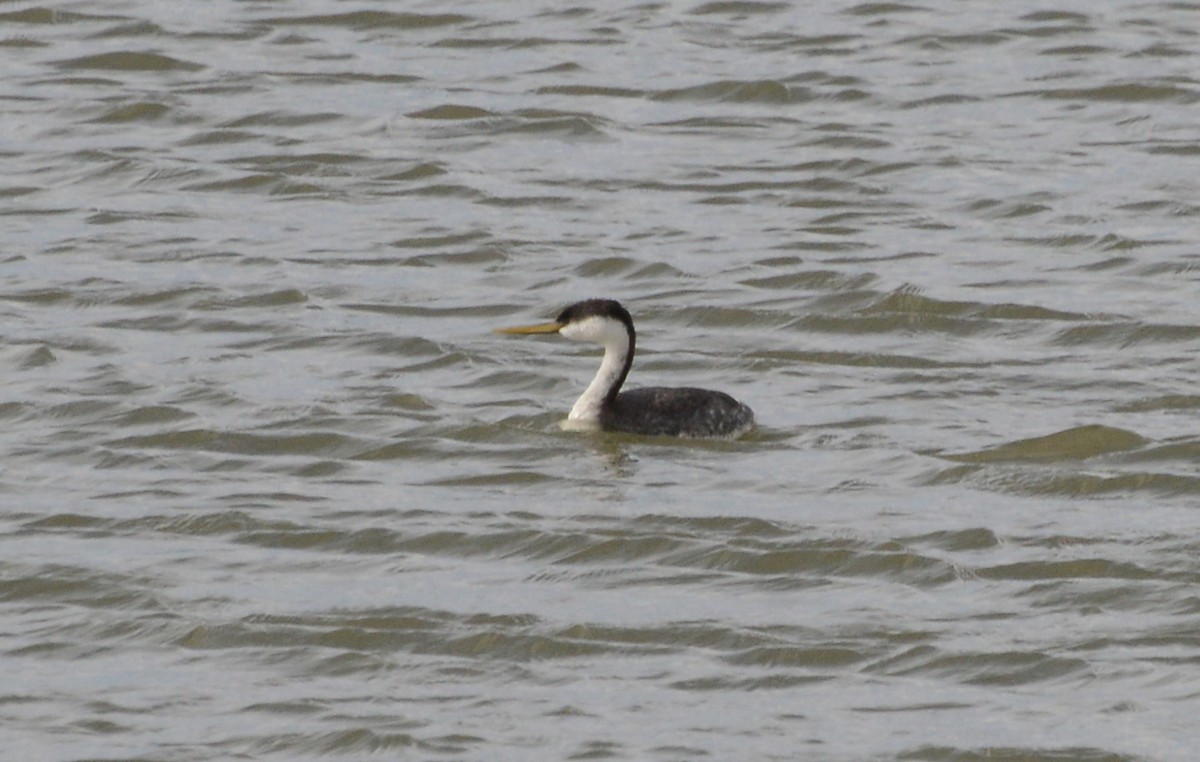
{"x":266,"y":462}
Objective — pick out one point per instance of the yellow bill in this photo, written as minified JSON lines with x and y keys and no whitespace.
{"x":528,"y":329}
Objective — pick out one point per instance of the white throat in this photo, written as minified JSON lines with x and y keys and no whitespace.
{"x":613,"y":336}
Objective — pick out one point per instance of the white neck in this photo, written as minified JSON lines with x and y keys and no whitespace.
{"x":612,"y":335}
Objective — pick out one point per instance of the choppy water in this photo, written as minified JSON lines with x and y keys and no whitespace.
{"x":271,"y":489}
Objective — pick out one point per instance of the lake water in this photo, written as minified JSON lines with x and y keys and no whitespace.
{"x":272,"y":489}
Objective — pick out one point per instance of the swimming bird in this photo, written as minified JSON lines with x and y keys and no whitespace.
{"x":654,"y":410}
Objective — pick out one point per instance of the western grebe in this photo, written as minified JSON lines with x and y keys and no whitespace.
{"x":655,"y":410}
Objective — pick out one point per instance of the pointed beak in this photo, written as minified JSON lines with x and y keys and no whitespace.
{"x":531,"y":329}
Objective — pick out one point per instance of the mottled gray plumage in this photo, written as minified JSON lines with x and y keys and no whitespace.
{"x":677,"y":412}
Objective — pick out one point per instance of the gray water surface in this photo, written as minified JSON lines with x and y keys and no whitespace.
{"x":271,"y":488}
